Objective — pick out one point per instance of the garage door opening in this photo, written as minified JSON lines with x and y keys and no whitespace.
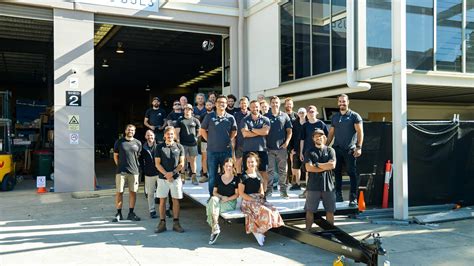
{"x":135,"y":64}
{"x":26,"y":97}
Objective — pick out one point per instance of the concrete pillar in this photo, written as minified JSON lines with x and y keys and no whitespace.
{"x":234,"y":61}
{"x":73,"y":52}
{"x":399,"y":111}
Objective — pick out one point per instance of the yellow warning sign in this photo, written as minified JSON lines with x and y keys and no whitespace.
{"x":73,"y":122}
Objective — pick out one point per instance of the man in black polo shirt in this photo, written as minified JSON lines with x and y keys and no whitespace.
{"x":147,"y":159}
{"x":348,"y":133}
{"x":187,"y":130}
{"x":169,"y":160}
{"x":320,"y":160}
{"x":239,"y":140}
{"x":218,"y":128}
{"x":176,"y":114}
{"x":126,"y":153}
{"x":255,"y":128}
{"x":278,"y":140}
{"x":155,"y":119}
{"x":231,"y":99}
{"x":293,"y":117}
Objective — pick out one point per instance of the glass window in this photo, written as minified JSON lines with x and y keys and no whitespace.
{"x":448,"y":35}
{"x":379,"y":32}
{"x":286,"y":38}
{"x":420,"y":34}
{"x":321,"y":46}
{"x":338,"y":34}
{"x":470,"y":36}
{"x":302,"y":38}
{"x":226,"y":62}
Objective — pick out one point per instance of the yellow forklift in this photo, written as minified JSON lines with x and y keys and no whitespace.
{"x":7,"y":166}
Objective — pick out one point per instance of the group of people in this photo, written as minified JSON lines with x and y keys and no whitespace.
{"x":242,"y":149}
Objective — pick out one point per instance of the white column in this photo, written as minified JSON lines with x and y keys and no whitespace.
{"x":73,"y":58}
{"x":399,"y":111}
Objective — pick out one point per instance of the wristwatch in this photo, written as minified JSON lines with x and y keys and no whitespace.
{"x":358,"y":147}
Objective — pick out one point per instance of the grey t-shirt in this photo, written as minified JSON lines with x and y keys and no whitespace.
{"x":278,"y":125}
{"x":218,"y":131}
{"x":345,"y":136}
{"x":258,"y":143}
{"x":323,"y":181}
{"x":128,"y":151}
{"x":189,"y":128}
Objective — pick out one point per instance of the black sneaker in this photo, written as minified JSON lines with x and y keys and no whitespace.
{"x":153,"y":215}
{"x":339,"y":197}
{"x":118,"y":218}
{"x":133,"y":217}
{"x":295,"y":187}
{"x":169,"y":214}
{"x":352,"y":203}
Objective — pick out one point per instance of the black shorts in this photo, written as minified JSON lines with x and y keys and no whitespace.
{"x":314,"y":197}
{"x":262,"y":155}
{"x":297,"y":164}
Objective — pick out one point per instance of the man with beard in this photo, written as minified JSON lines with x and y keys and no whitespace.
{"x":239,"y":141}
{"x":187,"y":130}
{"x":220,"y":127}
{"x":155,"y":119}
{"x":200,"y":108}
{"x":295,"y":153}
{"x":176,"y":114}
{"x":320,"y":161}
{"x":293,"y":117}
{"x":348,"y":134}
{"x":231,"y":99}
{"x":278,"y":140}
{"x":126,"y":153}
{"x":255,"y":128}
{"x":169,"y":160}
{"x":204,"y":177}
{"x":147,"y":159}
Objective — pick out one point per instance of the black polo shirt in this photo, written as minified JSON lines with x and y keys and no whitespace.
{"x":218,"y":131}
{"x":173,"y":118}
{"x":277,"y":135}
{"x":169,"y":155}
{"x":238,"y":115}
{"x":199,"y":113}
{"x":323,"y":181}
{"x":156,"y":117}
{"x":257,"y":143}
{"x":345,"y":135}
{"x":307,"y":133}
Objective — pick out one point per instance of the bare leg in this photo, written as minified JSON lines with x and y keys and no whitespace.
{"x":309,"y":220}
{"x":204,"y":162}
{"x":238,"y":165}
{"x":264,"y":180}
{"x":330,"y":217}
{"x":133,"y":199}
{"x":118,"y":200}
{"x":162,"y":208}
{"x":192,"y":162}
{"x":175,"y":208}
{"x":297,"y":174}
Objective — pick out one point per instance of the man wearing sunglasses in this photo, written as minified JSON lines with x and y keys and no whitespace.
{"x":175,"y":115}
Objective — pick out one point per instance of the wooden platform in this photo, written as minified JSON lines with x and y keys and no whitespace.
{"x":291,"y":208}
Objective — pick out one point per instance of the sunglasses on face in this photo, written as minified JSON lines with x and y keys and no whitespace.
{"x":311,"y":111}
{"x":176,"y":104}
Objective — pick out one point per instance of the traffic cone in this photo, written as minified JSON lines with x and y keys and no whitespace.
{"x":41,"y":190}
{"x":361,"y":202}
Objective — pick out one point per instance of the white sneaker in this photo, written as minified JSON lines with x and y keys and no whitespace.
{"x":260,"y":238}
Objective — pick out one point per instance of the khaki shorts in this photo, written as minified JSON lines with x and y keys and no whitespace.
{"x":164,"y":187}
{"x":132,"y":181}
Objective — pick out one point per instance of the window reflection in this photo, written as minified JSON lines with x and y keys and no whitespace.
{"x":420,"y":34}
{"x":448,"y":35}
{"x":321,"y":21}
{"x":379,"y":32}
{"x":470,"y":36}
{"x":338,"y":34}
{"x":286,"y":37}
{"x":302,"y":38}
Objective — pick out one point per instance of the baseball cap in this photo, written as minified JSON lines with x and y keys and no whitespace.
{"x":318,"y":131}
{"x":302,"y":110}
{"x":188,"y":106}
{"x":156,"y":98}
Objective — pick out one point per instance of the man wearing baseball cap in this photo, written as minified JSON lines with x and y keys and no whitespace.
{"x":187,"y":131}
{"x":320,"y":161}
{"x":155,"y":119}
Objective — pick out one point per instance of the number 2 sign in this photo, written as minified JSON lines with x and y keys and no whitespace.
{"x":73,"y":98}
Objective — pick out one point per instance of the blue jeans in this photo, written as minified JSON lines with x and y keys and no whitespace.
{"x":214,"y":160}
{"x":345,"y":157}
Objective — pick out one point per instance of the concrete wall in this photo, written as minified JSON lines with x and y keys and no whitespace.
{"x":263,"y":52}
{"x":73,"y":49}
{"x":416,"y":111}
